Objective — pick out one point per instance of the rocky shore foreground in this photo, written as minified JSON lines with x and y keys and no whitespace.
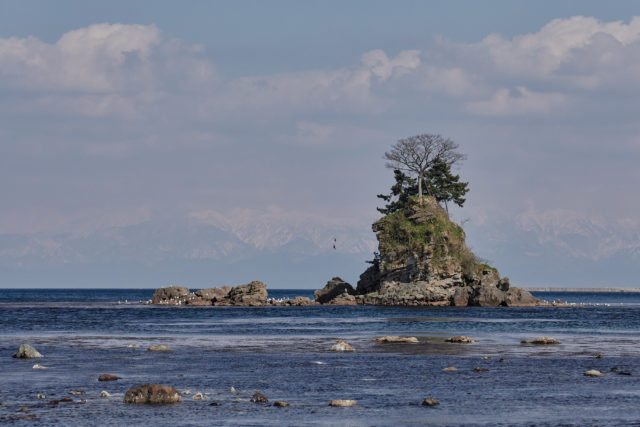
{"x":422,"y":260}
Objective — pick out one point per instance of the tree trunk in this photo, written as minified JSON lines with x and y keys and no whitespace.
{"x":420,"y":187}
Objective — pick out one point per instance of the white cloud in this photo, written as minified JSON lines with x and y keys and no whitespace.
{"x":542,"y":53}
{"x":528,"y":103}
{"x":382,"y":67}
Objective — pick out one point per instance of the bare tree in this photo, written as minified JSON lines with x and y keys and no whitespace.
{"x":416,"y":154}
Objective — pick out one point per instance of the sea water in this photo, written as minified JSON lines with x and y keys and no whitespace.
{"x":282,"y":352}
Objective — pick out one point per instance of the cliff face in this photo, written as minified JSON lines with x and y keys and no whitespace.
{"x":424,"y":260}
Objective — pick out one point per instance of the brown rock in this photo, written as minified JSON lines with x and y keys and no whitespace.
{"x":460,"y":339}
{"x":450,"y":368}
{"x":152,"y":394}
{"x":461,"y":296}
{"x":504,"y":284}
{"x":280,"y":403}
{"x":487,"y":296}
{"x":480,"y":369}
{"x":516,"y":297}
{"x":334,"y":288}
{"x":341,"y":345}
{"x":541,"y":341}
{"x":393,"y":339}
{"x":251,"y":294}
{"x":159,"y":348}
{"x":108,"y":377}
{"x":169,"y":295}
{"x":430,"y":401}
{"x":259,"y":398}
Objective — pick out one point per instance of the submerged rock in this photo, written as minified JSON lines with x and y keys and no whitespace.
{"x":259,"y":398}
{"x":480,"y":369}
{"x":341,"y":345}
{"x":461,"y":339}
{"x":450,"y":368}
{"x":25,"y":351}
{"x":159,"y":348}
{"x":155,"y":394}
{"x":38,"y":366}
{"x":343,"y":402}
{"x":108,"y":377}
{"x":541,"y":341}
{"x":430,"y":401}
{"x":394,"y":339}
{"x":280,"y":403}
{"x":593,"y":373}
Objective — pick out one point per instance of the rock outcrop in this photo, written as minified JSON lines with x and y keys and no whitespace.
{"x":252,"y":294}
{"x":335,"y":289}
{"x":154,"y":394}
{"x":423,"y":260}
{"x":25,"y":351}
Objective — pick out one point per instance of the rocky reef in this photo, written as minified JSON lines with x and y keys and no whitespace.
{"x":423,"y":260}
{"x":252,"y":294}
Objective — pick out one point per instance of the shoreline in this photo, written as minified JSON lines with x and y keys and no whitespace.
{"x":578,"y":290}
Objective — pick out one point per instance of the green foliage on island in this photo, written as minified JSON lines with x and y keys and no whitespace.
{"x":424,"y":231}
{"x":440,"y":183}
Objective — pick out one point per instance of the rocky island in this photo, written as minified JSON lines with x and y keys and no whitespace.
{"x":422,"y":260}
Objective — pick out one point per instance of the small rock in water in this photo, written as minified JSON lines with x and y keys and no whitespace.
{"x":186,"y":392}
{"x":343,"y":402}
{"x":430,"y":401}
{"x":480,"y":369}
{"x":541,"y":341}
{"x":450,"y":368}
{"x":152,"y":394}
{"x":28,"y":417}
{"x":486,"y":357}
{"x":199,"y":396}
{"x":24,"y":409}
{"x":38,"y":366}
{"x":460,"y":339}
{"x":132,"y":345}
{"x":81,"y":401}
{"x":105,"y":394}
{"x":25,"y":351}
{"x":503,"y":360}
{"x":66,"y":399}
{"x":76,"y":392}
{"x":232,"y":389}
{"x":341,"y":345}
{"x":280,"y":403}
{"x":594,"y":373}
{"x":259,"y":398}
{"x":159,"y":348}
{"x":41,"y":396}
{"x":215,"y":404}
{"x":623,"y":372}
{"x":386,"y":339}
{"x":317,"y":362}
{"x":598,"y":356}
{"x":108,"y":377}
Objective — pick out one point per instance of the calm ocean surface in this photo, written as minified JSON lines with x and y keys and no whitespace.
{"x":282,"y":352}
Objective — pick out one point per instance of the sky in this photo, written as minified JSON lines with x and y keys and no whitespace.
{"x":148,"y":143}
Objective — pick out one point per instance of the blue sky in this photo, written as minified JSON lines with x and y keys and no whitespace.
{"x":146,"y":143}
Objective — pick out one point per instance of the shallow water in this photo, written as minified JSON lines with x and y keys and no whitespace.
{"x":282,"y":352}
